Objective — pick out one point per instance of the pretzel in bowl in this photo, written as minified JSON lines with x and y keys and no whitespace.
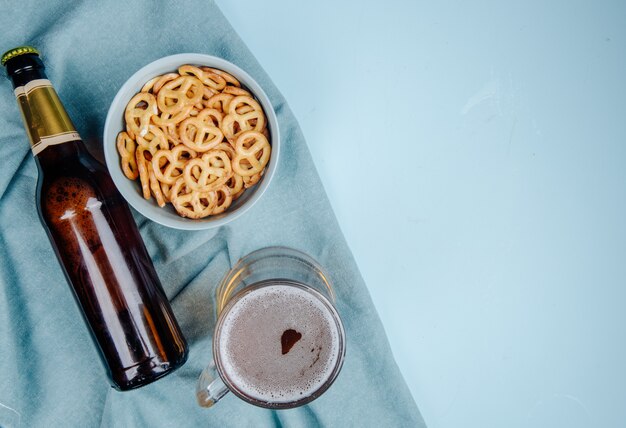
{"x":252,"y":152}
{"x":209,"y":78}
{"x":209,"y":172}
{"x":138,"y":112}
{"x":191,"y":203}
{"x":199,"y":135}
{"x":126,"y":148}
{"x":184,"y":91}
{"x":168,"y":165}
{"x":195,"y":139}
{"x":244,"y":114}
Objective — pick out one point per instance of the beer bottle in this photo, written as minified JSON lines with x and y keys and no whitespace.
{"x":95,"y":238}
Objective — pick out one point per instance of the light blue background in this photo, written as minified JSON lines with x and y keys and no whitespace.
{"x":474,"y":154}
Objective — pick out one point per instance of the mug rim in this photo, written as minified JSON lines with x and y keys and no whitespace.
{"x":270,"y":252}
{"x":280,"y":405}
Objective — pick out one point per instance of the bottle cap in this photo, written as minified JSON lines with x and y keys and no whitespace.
{"x":21,"y":50}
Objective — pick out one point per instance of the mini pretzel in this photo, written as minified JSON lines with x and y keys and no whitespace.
{"x":242,"y":107}
{"x":170,"y":133}
{"x":235,"y":91}
{"x":166,"y":189}
{"x":234,"y":122}
{"x":153,"y":140}
{"x":230,"y":152}
{"x":206,"y":96}
{"x":138,"y":112}
{"x":235,"y":185}
{"x":246,"y":109}
{"x":207,"y":77}
{"x":229,"y":78}
{"x":126,"y":148}
{"x":162,"y":81}
{"x":147,"y":146}
{"x":198,"y":135}
{"x":192,"y":204}
{"x":149,"y":84}
{"x":226,"y":147}
{"x":166,"y":119}
{"x":143,"y":164}
{"x":211,"y":116}
{"x":175,"y":161}
{"x":219,"y":102}
{"x":208,"y":93}
{"x":214,"y":81}
{"x":249,"y":181}
{"x":252,"y":152}
{"x":223,"y":199}
{"x":155,"y":186}
{"x":174,"y":95}
{"x":243,"y":100}
{"x":209,"y":172}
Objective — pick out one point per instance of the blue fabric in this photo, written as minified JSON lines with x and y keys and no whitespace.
{"x":50,"y":374}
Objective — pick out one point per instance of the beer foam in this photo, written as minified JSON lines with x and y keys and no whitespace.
{"x":250,"y":344}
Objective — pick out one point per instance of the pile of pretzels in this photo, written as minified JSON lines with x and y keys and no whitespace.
{"x":196,"y":139}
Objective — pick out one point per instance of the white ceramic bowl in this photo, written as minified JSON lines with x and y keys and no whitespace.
{"x":131,"y":190}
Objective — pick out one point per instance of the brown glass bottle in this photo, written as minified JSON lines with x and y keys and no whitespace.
{"x":95,"y":239}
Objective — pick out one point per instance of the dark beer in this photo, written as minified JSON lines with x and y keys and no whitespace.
{"x":95,"y":238}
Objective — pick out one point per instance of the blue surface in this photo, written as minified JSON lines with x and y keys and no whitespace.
{"x":50,"y":374}
{"x":474,"y":154}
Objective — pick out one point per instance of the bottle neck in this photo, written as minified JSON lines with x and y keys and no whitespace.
{"x":25,"y":68}
{"x":56,"y":156}
{"x":47,"y":123}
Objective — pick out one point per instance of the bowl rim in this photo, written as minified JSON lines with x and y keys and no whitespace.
{"x":111,"y":156}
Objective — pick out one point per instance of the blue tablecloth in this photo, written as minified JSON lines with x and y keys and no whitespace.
{"x":50,"y":374}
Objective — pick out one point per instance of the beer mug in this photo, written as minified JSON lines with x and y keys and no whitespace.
{"x":278,"y":342}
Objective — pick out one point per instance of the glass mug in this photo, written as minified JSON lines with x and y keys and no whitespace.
{"x":278,"y":342}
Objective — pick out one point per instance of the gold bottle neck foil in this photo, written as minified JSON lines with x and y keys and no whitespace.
{"x":45,"y":118}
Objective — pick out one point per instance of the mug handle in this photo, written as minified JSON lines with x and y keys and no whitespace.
{"x":210,"y":387}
